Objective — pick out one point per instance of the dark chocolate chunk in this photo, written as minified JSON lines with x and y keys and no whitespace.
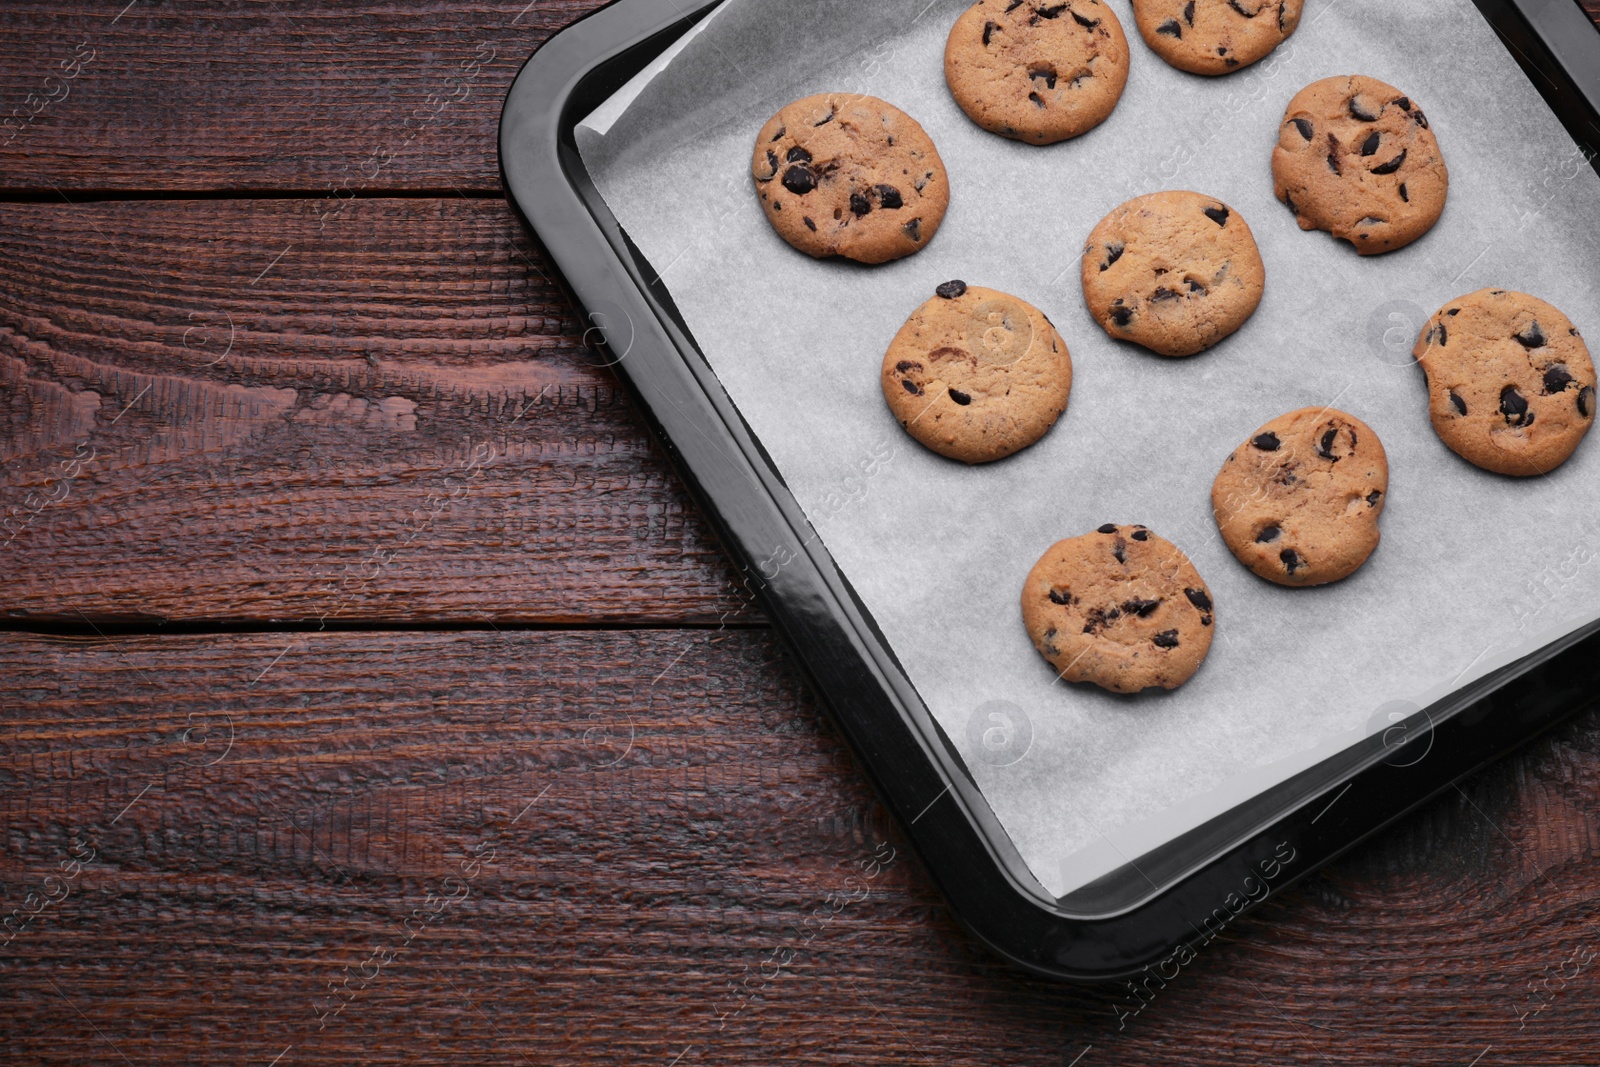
{"x":988,"y":31}
{"x":960,"y":398}
{"x":1459,"y":404}
{"x":911,"y":387}
{"x":1333,"y":157}
{"x":772,"y":164}
{"x":860,"y":205}
{"x":1166,"y":640}
{"x":1108,"y":528}
{"x":889,"y":198}
{"x":1267,"y":442}
{"x":1120,"y":550}
{"x":1198,"y":598}
{"x":1514,"y":406}
{"x":827,"y":120}
{"x":1291,"y":560}
{"x":951,"y":290}
{"x":1013,"y":6}
{"x":1044,"y":74}
{"x":1038,"y":101}
{"x":1063,"y":597}
{"x":1403,"y":103}
{"x":799,"y":155}
{"x":1586,"y":400}
{"x":1370,"y":145}
{"x":1360,"y":111}
{"x":1196,"y":287}
{"x":1052,"y":12}
{"x":1188,"y":12}
{"x":1393,"y":165}
{"x":1305,"y":127}
{"x":1141,"y":535}
{"x":1163,"y":293}
{"x":1218,"y":215}
{"x":913,"y":229}
{"x":1453,"y":312}
{"x":1325,"y":446}
{"x":1404,"y":195}
{"x":1556,"y":378}
{"x":1170,"y":28}
{"x":1531,"y":336}
{"x":1142,"y":608}
{"x":1373,"y":498}
{"x":1247,"y":14}
{"x":812,"y":226}
{"x":800,"y":179}
{"x":1086,"y":23}
{"x":1439,"y":333}
{"x":1113,"y":253}
{"x":1419,"y":118}
{"x":782,"y":132}
{"x":1269,"y":535}
{"x":1120,"y":314}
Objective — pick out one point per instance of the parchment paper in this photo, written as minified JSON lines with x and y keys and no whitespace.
{"x":1474,"y":568}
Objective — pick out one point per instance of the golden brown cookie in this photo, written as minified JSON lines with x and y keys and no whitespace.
{"x":976,"y":374}
{"x":1175,"y":272}
{"x":1121,"y":608}
{"x":1356,"y":157}
{"x":1215,"y":36}
{"x":1039,"y":71}
{"x":1299,"y":502}
{"x":1510,"y":382}
{"x":848,"y":175}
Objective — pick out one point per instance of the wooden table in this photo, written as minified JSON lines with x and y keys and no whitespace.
{"x":373,"y":692}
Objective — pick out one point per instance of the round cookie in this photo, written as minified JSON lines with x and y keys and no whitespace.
{"x":976,"y":374}
{"x":1299,"y":502}
{"x":1356,"y":157}
{"x":1175,"y":272}
{"x":1215,"y":36}
{"x":1511,"y":387}
{"x":843,"y":174}
{"x":1038,"y":71}
{"x":1121,"y":608}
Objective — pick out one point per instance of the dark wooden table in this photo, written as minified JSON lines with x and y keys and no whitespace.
{"x":371,"y":691}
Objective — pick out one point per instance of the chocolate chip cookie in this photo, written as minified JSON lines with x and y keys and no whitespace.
{"x":1121,"y":608}
{"x":842,"y":174}
{"x":976,"y":374}
{"x":1215,"y":36}
{"x":1357,"y":158}
{"x":1299,"y":502}
{"x":1175,"y":272}
{"x":1510,"y":382}
{"x":1038,"y":71}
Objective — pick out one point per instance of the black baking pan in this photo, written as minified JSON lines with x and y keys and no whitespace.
{"x":1151,"y":914}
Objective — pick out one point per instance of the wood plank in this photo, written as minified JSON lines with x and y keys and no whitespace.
{"x":674,"y":859}
{"x":245,"y":410}
{"x":329,"y":98}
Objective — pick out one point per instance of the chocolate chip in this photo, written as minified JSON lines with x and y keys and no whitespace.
{"x":1247,"y":14}
{"x":1086,"y":23}
{"x":1120,"y":314}
{"x":1404,"y":195}
{"x":1199,"y":599}
{"x":782,"y":132}
{"x":1142,"y":608}
{"x":1141,"y":535}
{"x":1403,"y":103}
{"x":1393,"y":165}
{"x":799,"y":155}
{"x":1291,"y":560}
{"x":772,"y":164}
{"x":1459,"y":404}
{"x":1531,"y":336}
{"x":1108,"y":528}
{"x":1438,"y":332}
{"x":1304,"y":126}
{"x":913,"y":229}
{"x":1052,"y":12}
{"x":860,"y":206}
{"x":960,"y":398}
{"x":1013,"y":6}
{"x":889,"y":198}
{"x":1333,"y":157}
{"x":951,"y":290}
{"x":800,"y":179}
{"x":988,"y":31}
{"x":809,"y":224}
{"x":1162,"y":293}
{"x":1196,"y":287}
{"x":1419,"y":118}
{"x":827,"y":120}
{"x":1370,"y":145}
{"x":1325,"y":447}
{"x":911,"y":387}
{"x":1063,"y":597}
{"x":1044,"y":74}
{"x":1113,"y":253}
{"x":1453,"y":312}
{"x":1218,"y":215}
{"x":1359,"y":110}
{"x":1586,"y":400}
{"x":1038,"y":101}
{"x":1170,"y":28}
{"x":1166,"y":640}
{"x":1373,"y":498}
{"x":1188,"y":12}
{"x":1556,"y":378}
{"x":1269,"y":535}
{"x":1514,"y":406}
{"x":1267,"y":442}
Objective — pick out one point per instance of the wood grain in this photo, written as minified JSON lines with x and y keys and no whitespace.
{"x":665,"y":813}
{"x":384,"y":414}
{"x":331,"y":98}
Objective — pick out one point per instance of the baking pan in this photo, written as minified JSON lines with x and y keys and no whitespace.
{"x":1151,"y":914}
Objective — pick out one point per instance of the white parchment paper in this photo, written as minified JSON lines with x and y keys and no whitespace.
{"x":1474,"y":569}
